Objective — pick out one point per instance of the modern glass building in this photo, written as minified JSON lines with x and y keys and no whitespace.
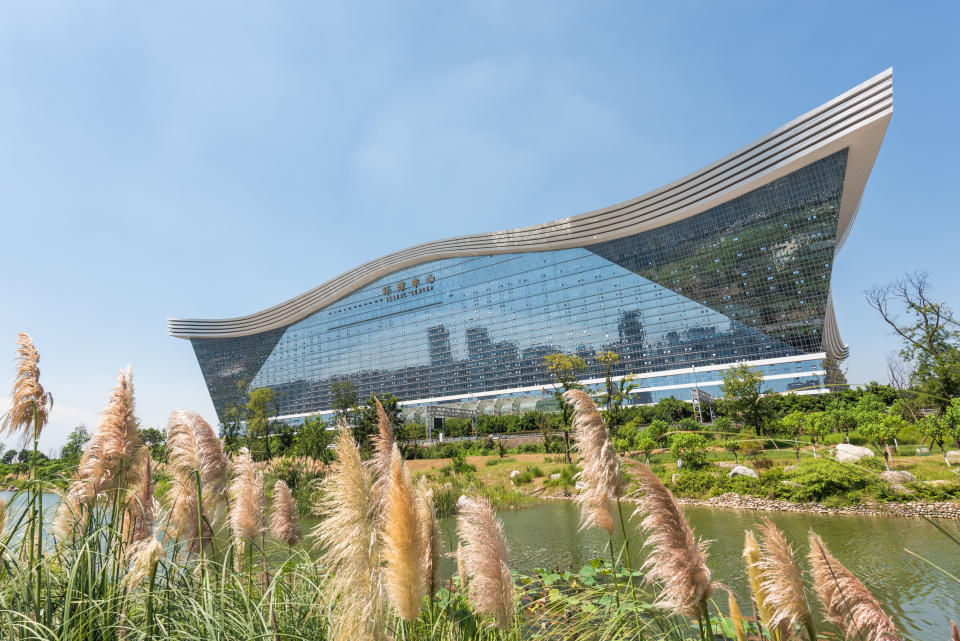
{"x":730,"y":264}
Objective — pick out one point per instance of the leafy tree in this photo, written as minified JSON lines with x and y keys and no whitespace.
{"x":285,"y":436}
{"x":155,"y":440}
{"x":9,"y":457}
{"x":929,"y":331}
{"x":871,"y":402}
{"x":734,"y":446}
{"x":656,"y":431}
{"x":817,"y":426}
{"x":646,"y":445}
{"x":841,"y":418}
{"x":669,"y":409}
{"x":232,"y":426}
{"x":260,"y":409}
{"x":631,"y":430}
{"x":951,"y":416}
{"x":723,"y":425}
{"x":615,"y":394}
{"x":609,"y":360}
{"x":794,"y":425}
{"x":880,"y":431}
{"x":619,"y":411}
{"x":73,"y":448}
{"x":312,"y":439}
{"x":938,"y":430}
{"x":345,"y":401}
{"x":565,"y":369}
{"x":743,"y":389}
{"x":690,"y":448}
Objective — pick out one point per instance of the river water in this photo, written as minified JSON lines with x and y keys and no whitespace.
{"x":920,"y":599}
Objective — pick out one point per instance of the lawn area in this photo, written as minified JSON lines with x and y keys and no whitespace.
{"x":534,"y":469}
{"x":513,"y":481}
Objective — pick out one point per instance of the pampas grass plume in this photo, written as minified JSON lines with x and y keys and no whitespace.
{"x":141,"y":501}
{"x":677,"y":559}
{"x":27,"y":394}
{"x":194,"y":454}
{"x":462,"y":568}
{"x":112,"y":447}
{"x":246,"y":499}
{"x":781,"y":584}
{"x":847,"y":602}
{"x":736,"y":617}
{"x":349,"y":538}
{"x":107,"y":464}
{"x":429,"y":536}
{"x":144,"y":556}
{"x":600,"y":469}
{"x":484,"y":553}
{"x":751,"y":558}
{"x":402,"y":542}
{"x":285,"y":518}
{"x":382,"y":442}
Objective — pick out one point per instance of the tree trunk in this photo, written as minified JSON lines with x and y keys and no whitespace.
{"x":566,"y":443}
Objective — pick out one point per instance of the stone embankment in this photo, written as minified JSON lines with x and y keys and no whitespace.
{"x":942,"y":509}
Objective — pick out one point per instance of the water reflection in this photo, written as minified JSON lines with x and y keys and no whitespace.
{"x":919,"y":598}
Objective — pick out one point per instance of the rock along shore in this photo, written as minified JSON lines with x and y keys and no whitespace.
{"x":940,"y":510}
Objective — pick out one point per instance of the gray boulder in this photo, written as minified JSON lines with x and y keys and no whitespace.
{"x":555,"y":477}
{"x":742,"y":470}
{"x":898,"y":477}
{"x":953,"y":456}
{"x":897,"y":488}
{"x":847,"y":453}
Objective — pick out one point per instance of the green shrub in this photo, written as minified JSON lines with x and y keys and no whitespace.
{"x":567,"y":478}
{"x":527,"y":475}
{"x":699,"y":483}
{"x":458,"y":465}
{"x":530,"y":448}
{"x":723,"y":425}
{"x":689,"y":448}
{"x":820,"y":479}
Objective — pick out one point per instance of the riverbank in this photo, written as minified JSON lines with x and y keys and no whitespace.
{"x":914,"y":509}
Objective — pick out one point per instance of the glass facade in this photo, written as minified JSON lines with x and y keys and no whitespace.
{"x":747,"y":280}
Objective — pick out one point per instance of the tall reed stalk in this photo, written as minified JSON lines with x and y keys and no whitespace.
{"x":677,"y":559}
{"x":30,"y":407}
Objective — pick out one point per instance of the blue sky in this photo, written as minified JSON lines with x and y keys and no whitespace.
{"x":210,"y":160}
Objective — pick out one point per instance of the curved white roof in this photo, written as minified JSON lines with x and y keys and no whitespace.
{"x":856,"y":120}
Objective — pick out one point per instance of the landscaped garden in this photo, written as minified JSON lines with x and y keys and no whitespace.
{"x":175,"y":539}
